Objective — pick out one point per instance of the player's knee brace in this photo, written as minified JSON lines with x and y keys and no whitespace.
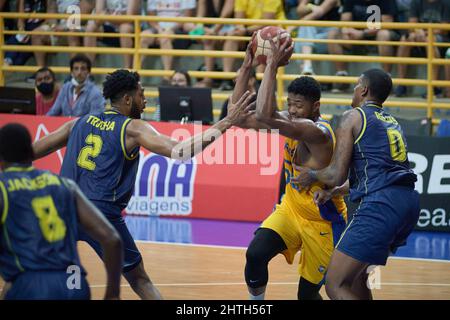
{"x":256,"y":272}
{"x":265,"y":245}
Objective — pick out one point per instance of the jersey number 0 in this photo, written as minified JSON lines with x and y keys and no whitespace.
{"x":398,"y":149}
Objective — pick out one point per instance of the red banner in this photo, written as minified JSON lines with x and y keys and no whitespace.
{"x":235,"y":178}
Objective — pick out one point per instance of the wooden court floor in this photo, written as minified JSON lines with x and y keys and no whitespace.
{"x":204,"y":273}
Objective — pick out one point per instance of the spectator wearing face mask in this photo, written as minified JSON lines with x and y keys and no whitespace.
{"x":79,"y":96}
{"x":47,"y":90}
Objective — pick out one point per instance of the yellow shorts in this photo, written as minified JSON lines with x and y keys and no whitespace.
{"x":315,"y":240}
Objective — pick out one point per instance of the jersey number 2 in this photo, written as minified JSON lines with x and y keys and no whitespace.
{"x":398,"y":149}
{"x":92,"y":150}
{"x":52,"y":226}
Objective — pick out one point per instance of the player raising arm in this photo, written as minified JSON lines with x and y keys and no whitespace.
{"x":297,"y":224}
{"x":102,"y":157}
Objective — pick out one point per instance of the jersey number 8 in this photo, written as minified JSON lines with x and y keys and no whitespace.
{"x":52,"y":226}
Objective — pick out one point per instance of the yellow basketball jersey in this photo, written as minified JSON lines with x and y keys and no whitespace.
{"x":301,"y":200}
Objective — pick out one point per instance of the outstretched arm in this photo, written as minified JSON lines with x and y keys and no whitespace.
{"x":266,"y":108}
{"x":337,"y":172}
{"x":244,"y":75}
{"x":54,"y":141}
{"x":97,"y":227}
{"x":241,"y":86}
{"x":140,"y":133}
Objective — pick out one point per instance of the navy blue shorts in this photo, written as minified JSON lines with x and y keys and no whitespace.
{"x":381,"y":224}
{"x":132,"y":257}
{"x":47,"y":285}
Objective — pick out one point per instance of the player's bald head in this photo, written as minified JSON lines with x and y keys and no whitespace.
{"x":15,"y":144}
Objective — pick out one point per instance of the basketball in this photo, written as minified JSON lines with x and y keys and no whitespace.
{"x":261,"y":46}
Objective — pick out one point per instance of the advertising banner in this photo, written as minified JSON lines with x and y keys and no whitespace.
{"x":235,"y":178}
{"x":238,"y":176}
{"x":430,"y":159}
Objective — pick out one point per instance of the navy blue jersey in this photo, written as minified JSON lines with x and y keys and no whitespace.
{"x":38,"y":222}
{"x":380,"y":154}
{"x":97,"y":160}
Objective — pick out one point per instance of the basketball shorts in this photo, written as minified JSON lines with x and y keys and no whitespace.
{"x":381,"y":224}
{"x":48,"y":285}
{"x":131,"y":257}
{"x":315,"y":239}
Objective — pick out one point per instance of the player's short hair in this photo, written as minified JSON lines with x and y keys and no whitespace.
{"x":120,"y":82}
{"x":81,"y":58}
{"x":15,"y":143}
{"x":308,"y":87}
{"x":379,"y":83}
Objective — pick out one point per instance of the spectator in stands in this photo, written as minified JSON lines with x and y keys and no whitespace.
{"x":62,"y":6}
{"x":214,"y":9}
{"x":251,"y":87}
{"x":327,"y":10}
{"x":26,"y":6}
{"x":249,"y":9}
{"x":357,"y":10}
{"x":168,"y":8}
{"x":180,"y":78}
{"x":113,"y":7}
{"x":79,"y":96}
{"x":424,"y":11}
{"x":47,"y":90}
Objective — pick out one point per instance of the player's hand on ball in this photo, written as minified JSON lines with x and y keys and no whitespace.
{"x":239,"y":111}
{"x":280,"y":52}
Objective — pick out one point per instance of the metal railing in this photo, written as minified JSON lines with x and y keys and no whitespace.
{"x":430,"y":61}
